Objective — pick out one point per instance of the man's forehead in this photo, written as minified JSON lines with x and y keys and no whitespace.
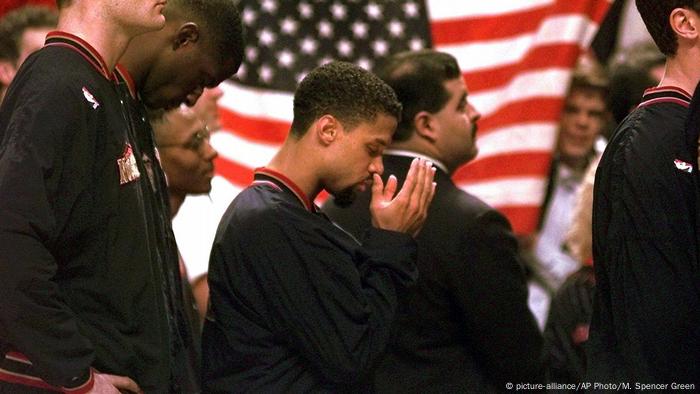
{"x":381,"y":129}
{"x":456,"y":86}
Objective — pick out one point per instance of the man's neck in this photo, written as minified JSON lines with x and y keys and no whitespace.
{"x":423,"y":148}
{"x":577,"y":164}
{"x":85,"y":20}
{"x":682,"y":71}
{"x":139,"y":57}
{"x":176,"y":201}
{"x":295,"y":162}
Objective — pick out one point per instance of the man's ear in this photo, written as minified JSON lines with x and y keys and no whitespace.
{"x":425,"y":126}
{"x":187,"y":34}
{"x":684,"y":23}
{"x":7,"y":72}
{"x":327,"y":128}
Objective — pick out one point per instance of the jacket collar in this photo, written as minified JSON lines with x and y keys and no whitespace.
{"x":61,"y":38}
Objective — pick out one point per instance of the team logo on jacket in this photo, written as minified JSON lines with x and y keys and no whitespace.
{"x":128,"y":170}
{"x":90,"y":98}
{"x":683,"y":166}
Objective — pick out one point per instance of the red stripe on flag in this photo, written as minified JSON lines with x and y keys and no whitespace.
{"x":253,"y":128}
{"x":235,"y":173}
{"x":543,"y":109}
{"x":547,"y":56}
{"x":504,"y":166}
{"x":477,"y":29}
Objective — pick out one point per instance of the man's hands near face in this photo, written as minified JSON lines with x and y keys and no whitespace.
{"x":407,"y":211}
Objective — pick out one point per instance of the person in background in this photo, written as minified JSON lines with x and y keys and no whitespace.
{"x":206,"y":109}
{"x":85,"y":303}
{"x":465,"y":326}
{"x":297,"y":304}
{"x":645,"y":326}
{"x":187,"y":157}
{"x":22,"y":32}
{"x":584,"y":119}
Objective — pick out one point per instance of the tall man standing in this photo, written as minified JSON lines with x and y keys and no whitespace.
{"x":87,"y":302}
{"x":465,"y":326}
{"x":297,"y":304}
{"x":645,"y":326}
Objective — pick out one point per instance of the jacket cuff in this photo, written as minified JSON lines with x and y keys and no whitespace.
{"x":393,"y":250}
{"x":89,"y":382}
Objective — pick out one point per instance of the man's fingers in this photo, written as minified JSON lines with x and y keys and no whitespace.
{"x":417,"y":194}
{"x":377,"y":189}
{"x":432,"y":194}
{"x":390,"y":189}
{"x":410,"y":181}
{"x":123,"y":383}
{"x":428,"y":186}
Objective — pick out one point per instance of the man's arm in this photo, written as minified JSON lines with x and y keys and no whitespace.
{"x":34,"y":320}
{"x":645,"y":254}
{"x":335,"y":315}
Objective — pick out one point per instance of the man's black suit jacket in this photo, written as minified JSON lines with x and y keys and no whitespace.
{"x":465,"y":326}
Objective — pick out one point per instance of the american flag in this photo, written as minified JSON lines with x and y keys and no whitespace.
{"x":516,"y":55}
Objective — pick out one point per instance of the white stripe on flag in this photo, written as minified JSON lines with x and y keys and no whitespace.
{"x":532,"y":137}
{"x":551,"y":82}
{"x":523,"y":191}
{"x":242,"y":151}
{"x":485,"y":54}
{"x":259,"y":103}
{"x":446,"y":10}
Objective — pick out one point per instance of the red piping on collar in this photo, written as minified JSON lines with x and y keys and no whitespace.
{"x":669,"y":88}
{"x":289,"y":184}
{"x":61,"y":38}
{"x":122,"y":72}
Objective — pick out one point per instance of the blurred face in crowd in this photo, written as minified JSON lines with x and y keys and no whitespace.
{"x":207,"y":107}
{"x":31,"y":40}
{"x":185,"y":152}
{"x":582,"y":122}
{"x":456,"y":126}
{"x":356,"y":155}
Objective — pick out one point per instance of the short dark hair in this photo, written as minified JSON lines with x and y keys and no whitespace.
{"x":655,"y":14}
{"x":417,"y":78}
{"x":16,"y":22}
{"x":220,"y":21}
{"x":592,"y":77}
{"x":344,"y":90}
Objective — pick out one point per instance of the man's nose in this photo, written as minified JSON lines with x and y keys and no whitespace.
{"x":377,"y":165}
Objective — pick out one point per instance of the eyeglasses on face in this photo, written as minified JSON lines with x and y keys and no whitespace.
{"x":194,"y":143}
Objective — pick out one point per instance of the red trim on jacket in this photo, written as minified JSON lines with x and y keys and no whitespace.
{"x":289,"y":184}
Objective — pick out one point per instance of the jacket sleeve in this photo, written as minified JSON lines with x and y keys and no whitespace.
{"x":36,"y":124}
{"x":491,"y":292}
{"x":336,"y":309}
